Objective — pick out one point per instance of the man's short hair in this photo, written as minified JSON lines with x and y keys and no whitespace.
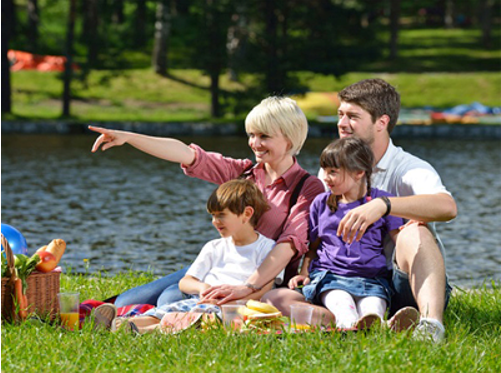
{"x":376,"y":96}
{"x":236,"y":195}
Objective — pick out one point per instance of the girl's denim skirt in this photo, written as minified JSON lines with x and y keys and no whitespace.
{"x":323,"y":280}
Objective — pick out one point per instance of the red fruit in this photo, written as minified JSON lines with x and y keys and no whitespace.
{"x":47,"y":262}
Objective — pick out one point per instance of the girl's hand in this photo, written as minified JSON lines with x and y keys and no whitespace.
{"x":108,"y":138}
{"x":297,"y":281}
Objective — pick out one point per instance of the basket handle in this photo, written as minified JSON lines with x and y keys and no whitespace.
{"x":10,"y":258}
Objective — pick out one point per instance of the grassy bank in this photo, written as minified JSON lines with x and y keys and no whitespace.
{"x":473,"y":322}
{"x":435,"y":67}
{"x":140,"y":95}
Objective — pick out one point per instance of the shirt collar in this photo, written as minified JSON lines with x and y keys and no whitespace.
{"x":288,"y":177}
{"x":385,"y":161}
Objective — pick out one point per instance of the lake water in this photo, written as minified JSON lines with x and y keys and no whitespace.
{"x":122,"y":209}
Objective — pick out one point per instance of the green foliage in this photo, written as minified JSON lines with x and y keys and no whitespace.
{"x":281,"y":42}
{"x":472,"y":319}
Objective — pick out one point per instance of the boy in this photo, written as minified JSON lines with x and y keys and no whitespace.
{"x":236,"y":207}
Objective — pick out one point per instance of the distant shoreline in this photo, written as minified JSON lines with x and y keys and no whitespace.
{"x":317,"y":130}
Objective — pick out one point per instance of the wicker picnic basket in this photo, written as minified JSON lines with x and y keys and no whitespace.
{"x":41,"y":291}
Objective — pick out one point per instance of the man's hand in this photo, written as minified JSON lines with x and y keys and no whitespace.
{"x":359,"y":219}
{"x":411,"y":222}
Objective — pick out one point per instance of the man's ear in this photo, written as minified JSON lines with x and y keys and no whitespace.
{"x":382,"y":123}
{"x":248,"y":213}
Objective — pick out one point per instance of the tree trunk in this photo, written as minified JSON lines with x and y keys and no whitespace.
{"x":117,"y":16}
{"x":449,"y":14}
{"x":237,"y":40}
{"x":214,"y":64}
{"x":272,"y":64}
{"x":33,"y":23}
{"x":68,"y":72}
{"x":91,"y":31}
{"x":214,"y":94}
{"x":7,"y":28}
{"x":394,"y":27}
{"x":139,"y":23}
{"x":486,"y":22}
{"x":162,"y":31}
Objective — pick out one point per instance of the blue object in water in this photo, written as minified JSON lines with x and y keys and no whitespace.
{"x":16,"y":240}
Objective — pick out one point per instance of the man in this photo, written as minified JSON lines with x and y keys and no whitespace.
{"x":369,"y":109}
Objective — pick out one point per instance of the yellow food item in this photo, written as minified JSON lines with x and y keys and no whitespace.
{"x":261,"y":307}
{"x":264,"y":316}
{"x":43,"y":248}
{"x":56,"y":247}
{"x":245,"y":311}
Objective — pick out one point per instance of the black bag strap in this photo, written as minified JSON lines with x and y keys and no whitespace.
{"x":295,"y":193}
{"x":297,"y":190}
{"x":246,"y":173}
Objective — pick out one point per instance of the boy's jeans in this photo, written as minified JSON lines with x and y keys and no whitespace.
{"x":165,"y":290}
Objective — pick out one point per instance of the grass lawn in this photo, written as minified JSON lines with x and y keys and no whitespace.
{"x":473,"y":322}
{"x":140,"y":95}
{"x":435,"y":67}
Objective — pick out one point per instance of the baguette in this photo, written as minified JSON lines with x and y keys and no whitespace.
{"x":56,"y":247}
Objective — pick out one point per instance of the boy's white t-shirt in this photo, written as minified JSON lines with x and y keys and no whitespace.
{"x":221,"y":262}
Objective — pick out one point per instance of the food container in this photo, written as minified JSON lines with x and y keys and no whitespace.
{"x":41,"y":291}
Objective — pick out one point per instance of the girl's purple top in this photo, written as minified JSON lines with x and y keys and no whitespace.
{"x":364,"y":258}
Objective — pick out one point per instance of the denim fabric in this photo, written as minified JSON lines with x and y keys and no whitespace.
{"x":357,"y":286}
{"x":402,"y":292}
{"x":165,"y":290}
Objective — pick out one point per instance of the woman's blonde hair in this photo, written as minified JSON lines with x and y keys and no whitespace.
{"x":279,"y":115}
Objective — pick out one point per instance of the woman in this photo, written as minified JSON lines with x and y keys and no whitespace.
{"x":277,"y":130}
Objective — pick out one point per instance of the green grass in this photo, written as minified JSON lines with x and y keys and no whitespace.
{"x":473,"y":321}
{"x":140,"y":95}
{"x":436,"y":67}
{"x":440,"y":50}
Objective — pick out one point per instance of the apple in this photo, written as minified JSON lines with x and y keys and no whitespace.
{"x":47,"y":262}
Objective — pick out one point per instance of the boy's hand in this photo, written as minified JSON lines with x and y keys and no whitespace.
{"x":225,"y":293}
{"x":298,"y":280}
{"x":203,"y":288}
{"x":208,"y":301}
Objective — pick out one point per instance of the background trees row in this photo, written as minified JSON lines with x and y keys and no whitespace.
{"x":268,"y":38}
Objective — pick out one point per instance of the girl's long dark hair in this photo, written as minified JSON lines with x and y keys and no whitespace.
{"x":351,"y":154}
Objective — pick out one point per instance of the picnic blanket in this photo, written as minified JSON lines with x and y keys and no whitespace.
{"x":131,"y":310}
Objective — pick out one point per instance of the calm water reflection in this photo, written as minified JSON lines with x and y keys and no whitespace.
{"x":123,"y":209}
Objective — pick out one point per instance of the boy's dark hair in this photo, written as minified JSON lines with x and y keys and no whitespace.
{"x":351,"y":154}
{"x":375,"y":96}
{"x":236,"y":195}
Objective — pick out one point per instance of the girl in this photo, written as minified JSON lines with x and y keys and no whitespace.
{"x":277,"y":130}
{"x":347,"y":276}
